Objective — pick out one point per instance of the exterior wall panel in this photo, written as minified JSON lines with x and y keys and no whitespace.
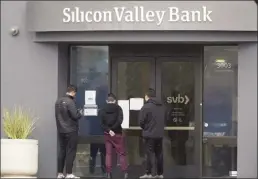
{"x":247,"y":111}
{"x":29,"y":78}
{"x":150,"y":36}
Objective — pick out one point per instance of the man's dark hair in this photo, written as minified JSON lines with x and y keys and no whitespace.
{"x":71,"y":88}
{"x":150,"y":93}
{"x":111,"y":97}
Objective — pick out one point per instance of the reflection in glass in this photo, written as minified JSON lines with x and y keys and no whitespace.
{"x":177,"y":82}
{"x":219,"y":160}
{"x":90,"y":160}
{"x":220,"y":109}
{"x":89,"y":71}
{"x":179,"y":148}
{"x":133,"y":81}
{"x":220,"y":91}
{"x":95,"y":150}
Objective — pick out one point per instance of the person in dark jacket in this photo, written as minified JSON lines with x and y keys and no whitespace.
{"x":111,"y":120}
{"x":67,"y":116}
{"x":152,"y":122}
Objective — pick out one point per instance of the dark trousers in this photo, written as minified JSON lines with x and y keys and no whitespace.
{"x":153,"y":147}
{"x":67,"y":151}
{"x":94,"y":149}
{"x":116,"y":142}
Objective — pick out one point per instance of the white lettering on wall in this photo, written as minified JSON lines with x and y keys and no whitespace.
{"x":189,"y":16}
{"x":136,"y":14}
{"x":119,"y":13}
{"x":67,"y":17}
{"x":78,"y":16}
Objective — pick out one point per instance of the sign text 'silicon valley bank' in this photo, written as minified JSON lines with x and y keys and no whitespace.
{"x":136,"y":14}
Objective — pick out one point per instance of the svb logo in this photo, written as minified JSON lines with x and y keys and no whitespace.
{"x":178,"y":99}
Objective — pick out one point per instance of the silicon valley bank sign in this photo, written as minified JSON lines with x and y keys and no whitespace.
{"x":137,"y":14}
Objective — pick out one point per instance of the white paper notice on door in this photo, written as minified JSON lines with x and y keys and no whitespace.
{"x":136,"y":103}
{"x":90,"y":110}
{"x":124,"y":104}
{"x":90,"y":97}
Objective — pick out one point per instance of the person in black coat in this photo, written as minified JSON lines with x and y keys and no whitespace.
{"x":152,"y":122}
{"x":67,"y":116}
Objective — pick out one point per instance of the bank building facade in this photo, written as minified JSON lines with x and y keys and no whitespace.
{"x":199,"y":56}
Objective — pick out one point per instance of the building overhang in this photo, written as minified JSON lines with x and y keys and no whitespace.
{"x":83,"y":16}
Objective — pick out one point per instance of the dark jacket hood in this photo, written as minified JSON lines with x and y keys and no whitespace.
{"x":111,"y":108}
{"x":112,"y":118}
{"x":155,"y":101}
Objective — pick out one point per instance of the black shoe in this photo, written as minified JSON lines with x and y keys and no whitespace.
{"x":126,"y":176}
{"x":109,"y":175}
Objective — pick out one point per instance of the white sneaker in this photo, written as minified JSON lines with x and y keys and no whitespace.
{"x":159,"y":176}
{"x":71,"y":176}
{"x":146,"y":176}
{"x":60,"y":175}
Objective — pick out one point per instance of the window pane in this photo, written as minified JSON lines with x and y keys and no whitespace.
{"x":133,"y":81}
{"x":177,"y":84}
{"x":220,"y":160}
{"x":89,"y":71}
{"x":220,"y":109}
{"x":220,"y":91}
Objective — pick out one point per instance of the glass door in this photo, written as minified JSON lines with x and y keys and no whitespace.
{"x":220,"y":119}
{"x":89,"y":70}
{"x":131,"y":77}
{"x":178,"y":84}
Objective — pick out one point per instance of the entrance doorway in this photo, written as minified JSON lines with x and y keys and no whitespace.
{"x":128,"y":69}
{"x":177,"y":81}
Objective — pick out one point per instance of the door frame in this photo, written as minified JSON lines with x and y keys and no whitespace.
{"x":197,"y":167}
{"x":156,"y":62}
